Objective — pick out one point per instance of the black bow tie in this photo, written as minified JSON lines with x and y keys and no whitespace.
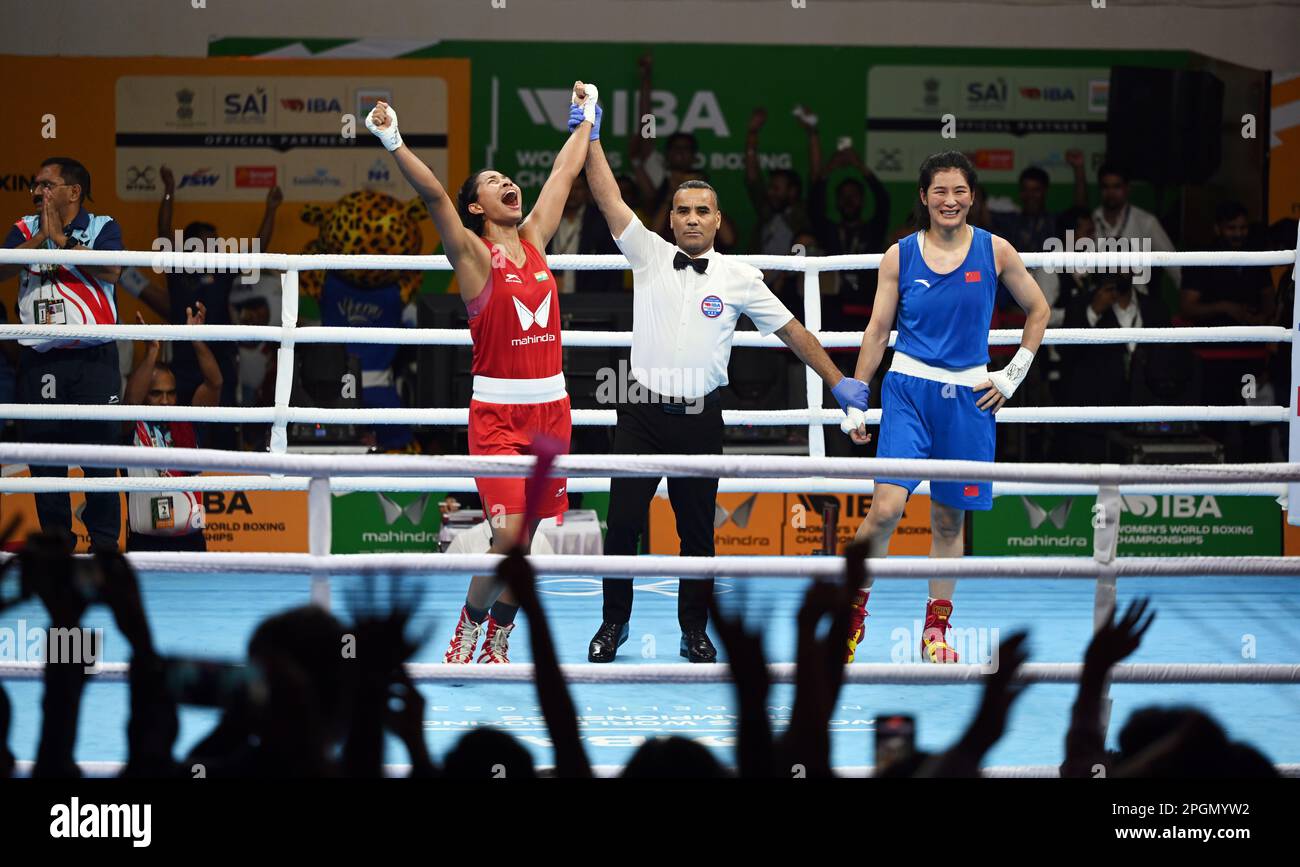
{"x":681,"y":260}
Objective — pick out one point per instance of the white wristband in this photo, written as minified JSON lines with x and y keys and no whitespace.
{"x":1006,"y":379}
{"x":389,"y":136}
{"x":589,"y":104}
{"x":854,"y":418}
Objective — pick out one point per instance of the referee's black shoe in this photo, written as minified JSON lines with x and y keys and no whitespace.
{"x":696,"y":646}
{"x":606,"y":642}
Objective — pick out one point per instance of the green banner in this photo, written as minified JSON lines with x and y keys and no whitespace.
{"x":1174,"y":525}
{"x":372,"y":522}
{"x":378,"y":522}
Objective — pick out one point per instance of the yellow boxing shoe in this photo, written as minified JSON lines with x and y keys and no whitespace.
{"x":934,"y":638}
{"x":857,"y":625}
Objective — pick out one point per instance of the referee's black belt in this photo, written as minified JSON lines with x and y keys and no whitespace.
{"x":680,"y":405}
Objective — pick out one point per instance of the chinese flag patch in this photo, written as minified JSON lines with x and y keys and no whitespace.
{"x":971,"y":491}
{"x":972,"y":276}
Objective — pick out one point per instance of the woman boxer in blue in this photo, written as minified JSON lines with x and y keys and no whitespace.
{"x":938,"y":397}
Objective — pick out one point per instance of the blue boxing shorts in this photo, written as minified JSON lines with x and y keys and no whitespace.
{"x":918,"y":420}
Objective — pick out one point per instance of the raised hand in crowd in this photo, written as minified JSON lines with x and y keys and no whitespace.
{"x":552,"y":692}
{"x":48,"y":563}
{"x":1114,"y":641}
{"x":806,"y":745}
{"x":380,"y":646}
{"x":748,"y":663}
{"x":404,"y":717}
{"x":1001,"y":689}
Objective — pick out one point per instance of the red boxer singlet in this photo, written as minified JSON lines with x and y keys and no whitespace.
{"x":518,"y":376}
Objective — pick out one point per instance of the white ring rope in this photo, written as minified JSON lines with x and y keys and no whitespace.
{"x":861,"y":673}
{"x":599,"y":466}
{"x":732,"y":567}
{"x":609,"y":417}
{"x":607,"y":339}
{"x":196,"y":261}
{"x":352,"y":484}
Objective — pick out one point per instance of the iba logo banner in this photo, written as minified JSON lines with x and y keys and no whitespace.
{"x":1165,"y":526}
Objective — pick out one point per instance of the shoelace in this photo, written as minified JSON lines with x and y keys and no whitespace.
{"x":498,"y":641}
{"x":466,"y":636}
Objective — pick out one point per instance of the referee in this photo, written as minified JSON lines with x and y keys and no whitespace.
{"x":686,"y":302}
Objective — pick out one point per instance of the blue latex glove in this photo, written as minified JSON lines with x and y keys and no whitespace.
{"x":851,"y":392}
{"x":575,"y":118}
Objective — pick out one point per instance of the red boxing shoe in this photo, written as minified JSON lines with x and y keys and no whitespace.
{"x":463,"y":641}
{"x":857,"y":625}
{"x":934,"y":638}
{"x":496,"y":642}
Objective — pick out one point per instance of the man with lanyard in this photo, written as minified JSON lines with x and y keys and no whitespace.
{"x":1118,"y":219}
{"x":56,"y":371}
{"x":687,"y":300}
{"x":168,"y":520}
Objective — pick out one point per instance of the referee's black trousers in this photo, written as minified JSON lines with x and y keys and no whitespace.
{"x":649,"y":428}
{"x":83,"y":375}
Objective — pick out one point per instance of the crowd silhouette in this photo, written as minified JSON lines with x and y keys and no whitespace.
{"x":318,"y":694}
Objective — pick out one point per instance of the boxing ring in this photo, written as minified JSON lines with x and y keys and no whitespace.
{"x":232,"y":591}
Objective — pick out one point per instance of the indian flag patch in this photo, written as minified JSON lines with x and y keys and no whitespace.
{"x":541,"y":275}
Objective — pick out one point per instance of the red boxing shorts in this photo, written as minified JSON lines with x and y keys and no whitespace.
{"x":508,"y":429}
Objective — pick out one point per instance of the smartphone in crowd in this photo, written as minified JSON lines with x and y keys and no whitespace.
{"x":205,"y":682}
{"x":895,"y":740}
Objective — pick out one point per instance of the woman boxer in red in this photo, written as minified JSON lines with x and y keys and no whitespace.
{"x":514,"y":320}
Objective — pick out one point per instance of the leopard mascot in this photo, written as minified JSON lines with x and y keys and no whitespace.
{"x":361,"y":223}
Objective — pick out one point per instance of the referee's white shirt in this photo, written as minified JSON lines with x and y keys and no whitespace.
{"x":683,"y":321}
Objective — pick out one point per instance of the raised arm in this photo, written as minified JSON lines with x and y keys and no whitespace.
{"x":544,"y":218}
{"x":604,"y":189}
{"x":1085,"y":743}
{"x":209,"y":391}
{"x":137,"y":384}
{"x":273,"y":199}
{"x":1075,"y":159}
{"x":165,"y":204}
{"x":468,"y":255}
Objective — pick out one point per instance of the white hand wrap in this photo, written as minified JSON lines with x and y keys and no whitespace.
{"x":588,"y":104}
{"x":390,"y":137}
{"x":854,"y":418}
{"x":1006,"y":379}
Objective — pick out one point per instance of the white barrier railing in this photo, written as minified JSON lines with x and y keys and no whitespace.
{"x":748,"y":485}
{"x":607,"y":417}
{"x":902,"y":673}
{"x":606,"y":466}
